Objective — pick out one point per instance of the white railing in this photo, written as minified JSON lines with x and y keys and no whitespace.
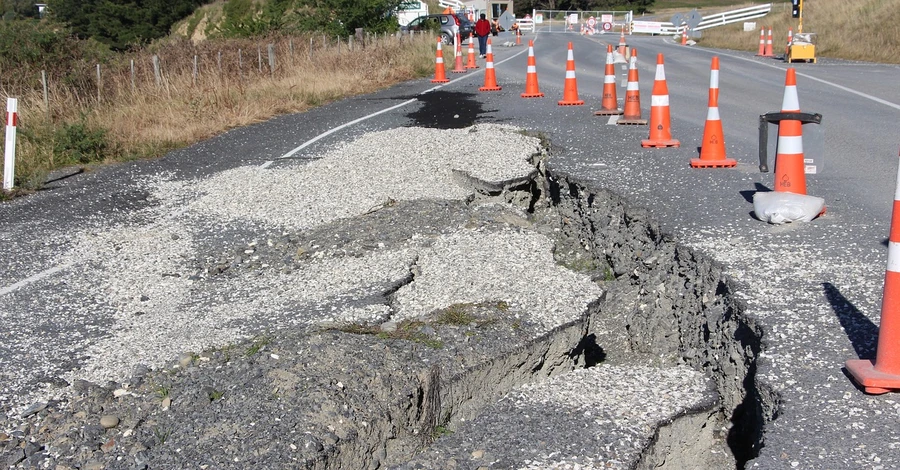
{"x":456,"y":5}
{"x":720,"y":19}
{"x":526,"y":25}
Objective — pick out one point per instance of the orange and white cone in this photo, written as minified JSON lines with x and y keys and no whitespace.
{"x":762,"y":42}
{"x":684,"y":36}
{"x":790,"y":175}
{"x":712,"y":151}
{"x":531,"y":80}
{"x":570,"y":90}
{"x":490,"y":77}
{"x":470,"y":62}
{"x":787,"y":48}
{"x":622,"y":45}
{"x":660,"y":132}
{"x":632,"y":113}
{"x":458,"y":67}
{"x":883,"y":374}
{"x":769,"y":52}
{"x":518,"y":37}
{"x":609,"y":105}
{"x":440,"y":75}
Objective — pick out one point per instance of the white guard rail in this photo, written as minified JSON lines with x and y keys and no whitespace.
{"x":720,"y":19}
{"x":525,"y":25}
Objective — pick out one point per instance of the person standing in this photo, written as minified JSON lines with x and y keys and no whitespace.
{"x":482,"y":30}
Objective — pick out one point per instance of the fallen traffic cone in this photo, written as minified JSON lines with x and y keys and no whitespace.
{"x":440,"y":75}
{"x":531,"y":80}
{"x":458,"y":67}
{"x":769,"y":52}
{"x":632,"y":113}
{"x":660,"y":133}
{"x":609,"y":105}
{"x":570,"y":90}
{"x":762,"y":42}
{"x":787,"y":48}
{"x":712,"y":151}
{"x":622,"y":45}
{"x":883,"y":374}
{"x":790,"y":176}
{"x":490,"y":77}
{"x":470,"y":63}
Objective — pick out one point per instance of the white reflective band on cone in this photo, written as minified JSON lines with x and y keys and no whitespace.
{"x":712,"y":114}
{"x":893,"y":263}
{"x":790,"y":144}
{"x":570,"y":74}
{"x":659,"y":100}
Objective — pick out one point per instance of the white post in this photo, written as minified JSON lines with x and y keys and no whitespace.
{"x":12,"y":106}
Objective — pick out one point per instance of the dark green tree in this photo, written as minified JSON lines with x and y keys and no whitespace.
{"x":121,"y":23}
{"x":18,"y":9}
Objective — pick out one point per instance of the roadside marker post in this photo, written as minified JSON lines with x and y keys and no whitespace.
{"x":9,"y":161}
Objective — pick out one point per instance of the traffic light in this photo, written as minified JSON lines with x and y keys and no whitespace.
{"x":795,"y":8}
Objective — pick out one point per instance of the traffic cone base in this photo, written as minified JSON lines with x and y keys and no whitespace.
{"x":872,"y":381}
{"x":607,"y":112}
{"x":631,"y":122}
{"x":723,"y":163}
{"x":656,"y":143}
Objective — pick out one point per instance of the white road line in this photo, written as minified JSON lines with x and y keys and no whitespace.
{"x":34,"y":278}
{"x":612,"y":120}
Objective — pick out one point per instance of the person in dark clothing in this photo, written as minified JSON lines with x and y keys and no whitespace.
{"x":482,"y":30}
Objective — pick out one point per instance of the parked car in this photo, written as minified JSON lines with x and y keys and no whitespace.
{"x":442,"y":23}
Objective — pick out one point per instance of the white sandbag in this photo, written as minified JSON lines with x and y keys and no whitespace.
{"x":777,"y":207}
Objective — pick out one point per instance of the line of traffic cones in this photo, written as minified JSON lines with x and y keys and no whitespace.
{"x":609,"y":105}
{"x":490,"y":76}
{"x":882,"y":375}
{"x":712,"y":150}
{"x":632,"y":110}
{"x":660,"y":131}
{"x":570,"y":90}
{"x":531,"y":80}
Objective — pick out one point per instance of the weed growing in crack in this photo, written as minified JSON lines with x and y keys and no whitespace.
{"x":257,"y":345}
{"x":162,"y":391}
{"x":408,"y":330}
{"x":161,"y":435}
{"x":215,"y":395}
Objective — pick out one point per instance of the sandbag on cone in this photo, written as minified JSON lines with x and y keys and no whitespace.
{"x":531,"y":80}
{"x":490,"y":77}
{"x":470,"y":60}
{"x":570,"y":91}
{"x":609,"y":105}
{"x":632,"y":112}
{"x":789,"y":201}
{"x":712,"y":150}
{"x":883,"y":374}
{"x":660,"y":131}
{"x":440,"y":75}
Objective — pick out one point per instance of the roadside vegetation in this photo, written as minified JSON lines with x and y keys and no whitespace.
{"x":116,"y":95}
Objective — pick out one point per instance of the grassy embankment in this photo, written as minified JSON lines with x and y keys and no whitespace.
{"x":146,"y":119}
{"x":863,"y":30}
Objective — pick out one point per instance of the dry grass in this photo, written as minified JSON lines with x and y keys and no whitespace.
{"x":147,"y":119}
{"x":859,"y":30}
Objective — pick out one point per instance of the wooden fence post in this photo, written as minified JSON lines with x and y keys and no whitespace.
{"x":271,"y":50}
{"x":240,"y":65}
{"x":194,"y":75}
{"x":132,"y":75}
{"x":46,"y":97}
{"x":259,"y":57}
{"x":156,"y":72}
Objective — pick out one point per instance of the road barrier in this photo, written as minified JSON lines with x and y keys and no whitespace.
{"x":9,"y":161}
{"x":711,"y":21}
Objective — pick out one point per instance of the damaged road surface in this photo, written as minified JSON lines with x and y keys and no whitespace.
{"x":382,"y":308}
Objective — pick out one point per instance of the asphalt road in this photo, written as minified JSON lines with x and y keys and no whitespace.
{"x":825,"y":421}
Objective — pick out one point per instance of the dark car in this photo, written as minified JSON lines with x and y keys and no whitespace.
{"x":443,"y":23}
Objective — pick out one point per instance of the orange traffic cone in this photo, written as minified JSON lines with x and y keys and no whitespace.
{"x":609,"y":105}
{"x":518,"y":37}
{"x":458,"y":67}
{"x":440,"y":75}
{"x":787,"y":49}
{"x":470,"y":62}
{"x":632,"y":113}
{"x":712,"y":151}
{"x":769,"y":52}
{"x":622,"y":44}
{"x":883,"y":374}
{"x":531,"y":80}
{"x":762,"y":42}
{"x":790,"y":176}
{"x":490,"y":77}
{"x":570,"y":90}
{"x":660,"y":133}
{"x":684,"y":36}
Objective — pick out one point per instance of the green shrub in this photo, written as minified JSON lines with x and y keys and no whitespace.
{"x":79,"y":143}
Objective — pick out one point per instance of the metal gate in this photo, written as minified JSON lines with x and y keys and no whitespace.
{"x":581,"y":22}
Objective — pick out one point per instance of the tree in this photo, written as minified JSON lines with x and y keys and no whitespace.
{"x":121,"y":23}
{"x":18,"y":9}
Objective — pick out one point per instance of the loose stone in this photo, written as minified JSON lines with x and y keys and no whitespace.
{"x":109,"y":421}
